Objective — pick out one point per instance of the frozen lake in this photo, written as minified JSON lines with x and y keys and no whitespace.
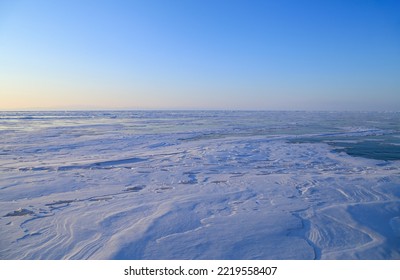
{"x":199,"y":185}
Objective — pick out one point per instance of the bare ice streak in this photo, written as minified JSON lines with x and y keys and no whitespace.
{"x":199,"y":185}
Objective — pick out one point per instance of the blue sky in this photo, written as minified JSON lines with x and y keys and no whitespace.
{"x":268,"y":55}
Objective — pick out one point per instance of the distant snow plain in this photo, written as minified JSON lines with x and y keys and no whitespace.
{"x":198,"y":185}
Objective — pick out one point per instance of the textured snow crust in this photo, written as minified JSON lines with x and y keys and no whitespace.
{"x":191,"y":185}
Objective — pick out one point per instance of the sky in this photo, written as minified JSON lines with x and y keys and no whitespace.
{"x":220,"y":54}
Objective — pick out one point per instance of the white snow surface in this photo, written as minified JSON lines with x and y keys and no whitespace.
{"x":188,"y":186}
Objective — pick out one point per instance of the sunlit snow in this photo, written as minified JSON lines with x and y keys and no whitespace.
{"x":199,"y":185}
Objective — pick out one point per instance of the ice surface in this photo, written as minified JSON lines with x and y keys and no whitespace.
{"x":196,"y":185}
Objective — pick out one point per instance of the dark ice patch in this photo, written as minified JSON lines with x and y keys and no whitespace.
{"x":135,"y":188}
{"x":19,"y":212}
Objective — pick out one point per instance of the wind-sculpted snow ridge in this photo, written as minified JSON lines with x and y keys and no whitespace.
{"x":196,"y":185}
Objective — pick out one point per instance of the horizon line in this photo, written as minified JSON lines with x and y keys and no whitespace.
{"x":192,"y":110}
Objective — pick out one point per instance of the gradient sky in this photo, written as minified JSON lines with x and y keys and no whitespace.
{"x":269,"y":55}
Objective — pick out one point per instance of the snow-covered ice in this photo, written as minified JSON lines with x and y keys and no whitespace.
{"x":199,"y":185}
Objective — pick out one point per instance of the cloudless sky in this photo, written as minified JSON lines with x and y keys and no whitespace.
{"x":220,"y":54}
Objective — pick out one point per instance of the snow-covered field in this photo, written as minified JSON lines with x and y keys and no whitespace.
{"x":199,"y":185}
